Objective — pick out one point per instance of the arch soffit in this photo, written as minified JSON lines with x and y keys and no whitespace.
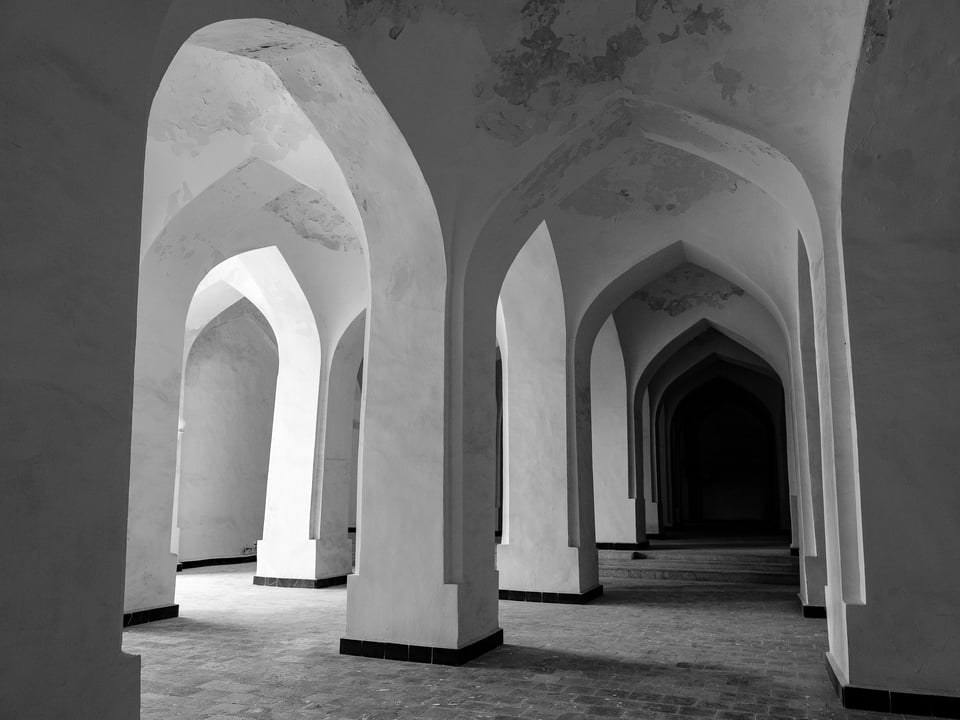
{"x":253,"y":206}
{"x":201,"y":126}
{"x":679,"y":389}
{"x":382,"y":175}
{"x":264,"y":278}
{"x":690,"y":335}
{"x":650,"y":269}
{"x":533,"y":280}
{"x":596,"y":143}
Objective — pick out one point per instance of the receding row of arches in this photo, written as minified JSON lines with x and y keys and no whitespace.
{"x":545,"y":402}
{"x":717,"y":448}
{"x":679,"y":210}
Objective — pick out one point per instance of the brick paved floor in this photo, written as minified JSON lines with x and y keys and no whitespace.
{"x":647,"y":649}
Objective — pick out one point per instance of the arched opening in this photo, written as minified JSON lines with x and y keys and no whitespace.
{"x":499,"y":395}
{"x":261,"y":130}
{"x":726,"y":464}
{"x":229,"y":388}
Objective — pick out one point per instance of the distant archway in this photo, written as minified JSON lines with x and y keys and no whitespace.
{"x":723,"y":469}
{"x":227,"y":407}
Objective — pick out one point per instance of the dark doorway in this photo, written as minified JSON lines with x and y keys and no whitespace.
{"x":726,"y":470}
{"x":725,"y":452}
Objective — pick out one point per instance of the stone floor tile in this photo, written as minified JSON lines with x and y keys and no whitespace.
{"x":645,"y":649}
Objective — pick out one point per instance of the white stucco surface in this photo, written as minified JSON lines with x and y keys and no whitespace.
{"x":402,"y":174}
{"x":536,"y":552}
{"x":229,"y":386}
{"x":615,"y":499}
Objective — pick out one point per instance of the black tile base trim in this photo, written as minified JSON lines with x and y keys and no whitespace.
{"x":308,"y":583}
{"x":552,"y":597}
{"x":139,"y":617}
{"x":187,"y":564}
{"x":814,"y":611}
{"x":892,"y":701}
{"x":645,"y":545}
{"x":421,"y":653}
{"x":795,"y":552}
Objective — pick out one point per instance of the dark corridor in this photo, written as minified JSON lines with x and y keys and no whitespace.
{"x":725,"y":470}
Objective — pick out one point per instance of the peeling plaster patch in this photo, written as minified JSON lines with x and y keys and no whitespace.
{"x":656,"y":178}
{"x":498,"y":125}
{"x":687,"y":287}
{"x":664,"y":38}
{"x":879,"y":15}
{"x":362,"y":13}
{"x":609,"y":66}
{"x":729,"y":81}
{"x":400,"y":280}
{"x":644,"y":9}
{"x":177,"y":200}
{"x":523,"y":71}
{"x":697,"y":21}
{"x":596,"y":135}
{"x":544,"y":74}
{"x":208,"y":99}
{"x":265,"y":50}
{"x":314,"y":219}
{"x":601,"y":196}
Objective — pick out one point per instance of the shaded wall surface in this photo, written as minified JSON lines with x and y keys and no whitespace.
{"x":229,"y":389}
{"x":901,"y":235}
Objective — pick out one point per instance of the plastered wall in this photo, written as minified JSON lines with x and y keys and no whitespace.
{"x":901,"y":214}
{"x":228,"y":397}
{"x":615,"y":499}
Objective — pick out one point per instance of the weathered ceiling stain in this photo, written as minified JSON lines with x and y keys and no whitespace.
{"x":599,"y":132}
{"x":686,"y":287}
{"x":530,"y":82}
{"x":313,"y":218}
{"x":361,"y":13}
{"x":246,"y":99}
{"x":651,"y":178}
{"x":729,"y":81}
{"x":879,"y":15}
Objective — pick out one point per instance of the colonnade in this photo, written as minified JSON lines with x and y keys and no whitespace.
{"x":615,"y":219}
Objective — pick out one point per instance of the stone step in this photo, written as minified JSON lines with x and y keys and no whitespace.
{"x":700,"y":574}
{"x":711,"y":564}
{"x":701,"y":556}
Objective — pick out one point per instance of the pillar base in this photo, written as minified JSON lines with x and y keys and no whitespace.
{"x":309,"y":583}
{"x":552,"y":597}
{"x":812,"y":611}
{"x":139,"y":617}
{"x":210,"y":562}
{"x":892,"y":701}
{"x":645,"y":545}
{"x":421,"y":653}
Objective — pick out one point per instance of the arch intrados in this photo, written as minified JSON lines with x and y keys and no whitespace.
{"x":708,"y":369}
{"x":312,"y":164}
{"x":691,"y":335}
{"x":650,"y":269}
{"x":228,"y":219}
{"x":263,"y":277}
{"x":748,"y":157}
{"x":305,"y":61}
